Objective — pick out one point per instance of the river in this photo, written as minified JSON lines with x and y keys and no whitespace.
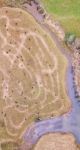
{"x":67,"y":123}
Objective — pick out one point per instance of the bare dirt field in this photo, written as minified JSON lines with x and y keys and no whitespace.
{"x":32,"y":74}
{"x":56,"y":142}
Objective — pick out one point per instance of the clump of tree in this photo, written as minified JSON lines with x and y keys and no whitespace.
{"x":69,"y":38}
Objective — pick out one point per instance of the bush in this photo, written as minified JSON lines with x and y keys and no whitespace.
{"x":69,"y":38}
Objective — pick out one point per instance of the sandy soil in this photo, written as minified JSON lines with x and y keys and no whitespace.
{"x":56,"y":142}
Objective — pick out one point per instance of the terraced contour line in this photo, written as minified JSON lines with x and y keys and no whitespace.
{"x":32,"y":73}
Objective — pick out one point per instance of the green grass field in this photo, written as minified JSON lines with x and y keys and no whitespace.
{"x":67,"y":12}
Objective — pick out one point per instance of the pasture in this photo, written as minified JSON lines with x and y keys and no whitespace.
{"x":32,"y":75}
{"x":67,"y":12}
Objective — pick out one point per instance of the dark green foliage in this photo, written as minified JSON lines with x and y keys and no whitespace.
{"x":69,"y":38}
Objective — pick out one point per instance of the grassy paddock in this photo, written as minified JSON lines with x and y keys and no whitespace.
{"x":67,"y":12}
{"x":26,"y":106}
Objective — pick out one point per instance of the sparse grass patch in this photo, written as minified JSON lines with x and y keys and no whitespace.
{"x":32,"y":73}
